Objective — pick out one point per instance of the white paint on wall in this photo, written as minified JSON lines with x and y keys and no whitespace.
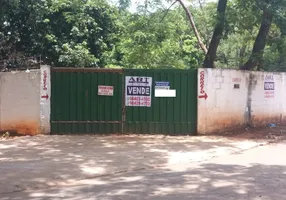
{"x":237,"y":98}
{"x":202,"y":102}
{"x":266,"y":102}
{"x":45,"y":102}
{"x":225,"y":105}
{"x":19,"y":102}
{"x":283,"y":115}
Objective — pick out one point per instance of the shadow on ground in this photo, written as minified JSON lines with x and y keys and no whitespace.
{"x":44,"y":161}
{"x":206,"y":182}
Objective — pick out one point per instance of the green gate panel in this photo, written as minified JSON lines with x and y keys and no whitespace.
{"x":76,"y":106}
{"x":167,"y":115}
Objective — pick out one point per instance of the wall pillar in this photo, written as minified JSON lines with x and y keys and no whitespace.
{"x":45,"y":100}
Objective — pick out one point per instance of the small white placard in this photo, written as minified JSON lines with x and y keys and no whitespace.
{"x":104,"y":90}
{"x":165,"y":93}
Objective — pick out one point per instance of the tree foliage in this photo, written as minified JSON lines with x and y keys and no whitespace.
{"x":149,"y":42}
{"x":62,"y":32}
{"x":106,"y":33}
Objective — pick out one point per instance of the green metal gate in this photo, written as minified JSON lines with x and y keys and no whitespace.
{"x":167,"y":115}
{"x":76,"y":106}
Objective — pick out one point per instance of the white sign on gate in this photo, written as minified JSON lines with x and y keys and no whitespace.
{"x":138,"y":91}
{"x":104,"y":90}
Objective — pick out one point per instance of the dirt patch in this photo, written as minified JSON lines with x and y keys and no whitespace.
{"x":247,"y":133}
{"x":34,"y":162}
{"x":256,"y":133}
{"x":20,"y":128}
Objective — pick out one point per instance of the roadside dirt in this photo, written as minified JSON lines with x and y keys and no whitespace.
{"x":247,"y":133}
{"x":256,"y":133}
{"x":42,"y":161}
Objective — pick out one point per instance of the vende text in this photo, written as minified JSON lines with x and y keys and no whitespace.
{"x":138,"y":90}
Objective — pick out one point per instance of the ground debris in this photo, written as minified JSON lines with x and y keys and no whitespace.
{"x":5,"y":136}
{"x":269,"y":132}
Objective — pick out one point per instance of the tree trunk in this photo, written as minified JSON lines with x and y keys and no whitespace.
{"x":241,"y":55}
{"x":193,"y":25}
{"x":217,"y":35}
{"x":260,"y":42}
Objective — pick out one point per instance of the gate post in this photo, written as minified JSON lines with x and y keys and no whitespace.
{"x":123,"y":104}
{"x":45,"y":100}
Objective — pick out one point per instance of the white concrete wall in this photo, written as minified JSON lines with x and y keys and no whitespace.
{"x":228,"y":107}
{"x":20,"y":98}
{"x":266,"y":104}
{"x":283,"y":99}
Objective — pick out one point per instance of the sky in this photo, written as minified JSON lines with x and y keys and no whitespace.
{"x":134,"y":3}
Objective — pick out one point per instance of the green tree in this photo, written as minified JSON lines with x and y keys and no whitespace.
{"x":271,"y":10}
{"x":149,"y":42}
{"x":63,"y":32}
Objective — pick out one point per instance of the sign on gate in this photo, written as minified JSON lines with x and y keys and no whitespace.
{"x":104,"y":90}
{"x":138,"y":91}
{"x":160,"y":85}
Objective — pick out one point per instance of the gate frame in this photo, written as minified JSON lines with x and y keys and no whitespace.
{"x":123,"y":73}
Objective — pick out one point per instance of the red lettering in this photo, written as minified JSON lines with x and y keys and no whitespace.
{"x":236,"y":80}
{"x":45,"y":80}
{"x":269,"y":96}
{"x":269,"y":92}
{"x":202,"y":82}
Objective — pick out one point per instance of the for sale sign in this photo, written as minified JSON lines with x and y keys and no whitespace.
{"x":104,"y":90}
{"x":138,"y":91}
{"x":269,"y":86}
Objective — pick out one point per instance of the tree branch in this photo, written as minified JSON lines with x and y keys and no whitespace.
{"x":260,"y":42}
{"x":193,"y":25}
{"x":168,"y":10}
